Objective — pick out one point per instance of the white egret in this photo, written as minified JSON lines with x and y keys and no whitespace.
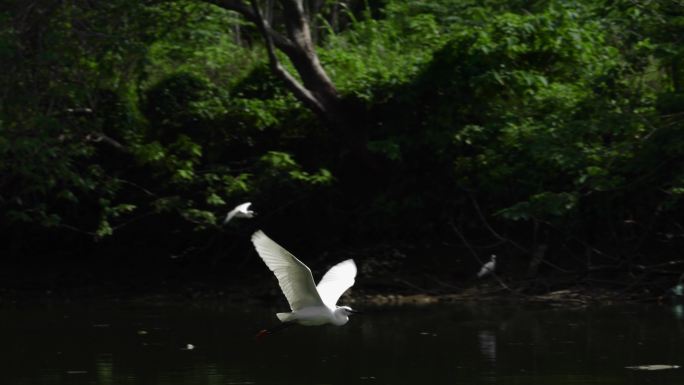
{"x":488,"y":267}
{"x":310,"y":304}
{"x":240,"y":211}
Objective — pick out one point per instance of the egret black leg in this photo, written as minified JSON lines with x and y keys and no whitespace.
{"x":277,"y":328}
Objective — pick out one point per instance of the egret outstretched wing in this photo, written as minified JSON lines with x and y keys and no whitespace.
{"x":294,"y":277}
{"x":229,"y":216}
{"x":336,"y":281}
{"x":242,"y":209}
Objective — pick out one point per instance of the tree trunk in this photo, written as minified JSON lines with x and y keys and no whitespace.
{"x":315,"y":90}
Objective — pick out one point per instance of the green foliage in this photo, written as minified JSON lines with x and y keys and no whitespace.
{"x":194,"y":40}
{"x":541,"y":205}
{"x":533,"y":98}
{"x":259,"y":109}
{"x":567,"y":114}
{"x":279,"y":165}
{"x":66,"y":72}
{"x":375,"y":54}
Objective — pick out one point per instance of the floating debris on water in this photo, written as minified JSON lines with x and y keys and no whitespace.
{"x":652,"y":367}
{"x":428,"y":334}
{"x":101,"y":325}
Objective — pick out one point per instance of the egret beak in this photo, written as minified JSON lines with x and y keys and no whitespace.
{"x":355,"y":312}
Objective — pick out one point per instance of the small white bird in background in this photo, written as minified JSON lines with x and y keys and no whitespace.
{"x":488,"y":267}
{"x":240,"y":211}
{"x":310,"y":304}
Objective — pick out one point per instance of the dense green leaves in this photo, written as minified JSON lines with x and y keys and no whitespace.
{"x":482,"y":114}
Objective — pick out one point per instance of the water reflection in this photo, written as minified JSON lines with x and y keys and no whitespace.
{"x":487,"y":341}
{"x":678,"y":310}
{"x":454,"y":344}
{"x":104,"y":369}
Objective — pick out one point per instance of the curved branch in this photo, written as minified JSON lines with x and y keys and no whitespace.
{"x":491,"y":230}
{"x":311,"y":85}
{"x":248,"y":13}
{"x":295,"y":86}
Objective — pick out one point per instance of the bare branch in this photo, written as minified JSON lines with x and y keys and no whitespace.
{"x":248,"y":13}
{"x":297,"y":23}
{"x":491,"y":230}
{"x":311,"y":85}
{"x":297,"y":88}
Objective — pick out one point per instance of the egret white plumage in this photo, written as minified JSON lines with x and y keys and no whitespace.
{"x":240,"y":211}
{"x":310,"y":304}
{"x":488,"y":267}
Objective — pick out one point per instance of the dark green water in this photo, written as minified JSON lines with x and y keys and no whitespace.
{"x":125,"y":343}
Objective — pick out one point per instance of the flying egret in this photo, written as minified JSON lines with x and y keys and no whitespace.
{"x":488,"y":267}
{"x":240,"y":211}
{"x":311,"y":305}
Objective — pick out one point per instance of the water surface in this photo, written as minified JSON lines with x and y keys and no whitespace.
{"x":213,"y":343}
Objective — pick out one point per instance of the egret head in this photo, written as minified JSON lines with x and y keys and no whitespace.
{"x":346,"y":310}
{"x":342,"y":314}
{"x":493,"y":257}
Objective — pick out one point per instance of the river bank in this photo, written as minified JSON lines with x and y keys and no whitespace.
{"x":268,"y":292}
{"x":387,"y":276}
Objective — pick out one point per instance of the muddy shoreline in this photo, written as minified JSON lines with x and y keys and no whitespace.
{"x":417,"y":283}
{"x":491,"y":293}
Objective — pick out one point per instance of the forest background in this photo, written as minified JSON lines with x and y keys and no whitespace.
{"x":549,"y":133}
